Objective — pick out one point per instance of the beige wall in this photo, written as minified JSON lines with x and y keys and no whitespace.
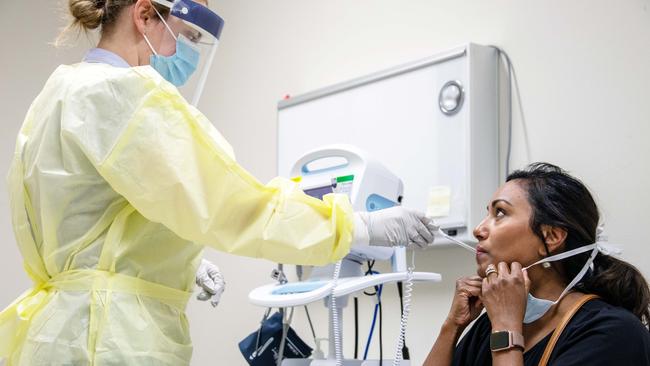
{"x":584,"y":78}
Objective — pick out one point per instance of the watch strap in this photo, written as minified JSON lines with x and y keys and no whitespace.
{"x":514,"y":340}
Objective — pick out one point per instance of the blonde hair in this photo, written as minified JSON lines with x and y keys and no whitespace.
{"x":88,"y":15}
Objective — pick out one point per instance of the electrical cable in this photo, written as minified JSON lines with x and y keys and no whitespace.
{"x":335,"y":316}
{"x":377,"y":312}
{"x":399,"y":293}
{"x":408,"y":290}
{"x":371,"y":263}
{"x":368,"y":272}
{"x":509,"y":151}
{"x":372,"y":327}
{"x":504,"y":55}
{"x":405,"y":349}
{"x":381,"y":340}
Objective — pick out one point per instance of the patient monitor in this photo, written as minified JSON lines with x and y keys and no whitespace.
{"x":349,"y":170}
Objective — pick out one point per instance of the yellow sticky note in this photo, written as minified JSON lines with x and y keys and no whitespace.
{"x":439,"y":201}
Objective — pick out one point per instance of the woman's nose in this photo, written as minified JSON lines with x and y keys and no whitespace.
{"x":480,"y":231}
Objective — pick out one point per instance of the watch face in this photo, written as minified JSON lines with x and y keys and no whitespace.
{"x":499,"y":340}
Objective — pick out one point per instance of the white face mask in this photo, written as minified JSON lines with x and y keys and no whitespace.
{"x":536,"y":308}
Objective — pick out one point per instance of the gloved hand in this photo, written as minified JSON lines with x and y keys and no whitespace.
{"x":209,"y":278}
{"x":393,"y":227}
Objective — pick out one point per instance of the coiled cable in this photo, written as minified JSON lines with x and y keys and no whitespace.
{"x":335,"y":316}
{"x":408,"y":290}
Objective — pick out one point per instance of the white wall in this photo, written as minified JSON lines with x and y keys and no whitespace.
{"x":584,"y":79}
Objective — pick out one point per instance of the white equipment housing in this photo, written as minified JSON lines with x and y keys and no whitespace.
{"x":349,"y":170}
{"x":432,"y":122}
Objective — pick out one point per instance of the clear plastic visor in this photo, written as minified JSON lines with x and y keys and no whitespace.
{"x":202,"y":36}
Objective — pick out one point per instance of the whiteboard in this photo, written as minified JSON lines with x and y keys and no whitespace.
{"x":394,"y":115}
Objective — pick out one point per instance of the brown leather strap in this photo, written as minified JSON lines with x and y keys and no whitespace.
{"x":560,"y":328}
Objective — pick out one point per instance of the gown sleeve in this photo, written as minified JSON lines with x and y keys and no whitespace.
{"x":175,"y":168}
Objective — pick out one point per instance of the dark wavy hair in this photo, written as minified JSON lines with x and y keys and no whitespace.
{"x":560,"y":200}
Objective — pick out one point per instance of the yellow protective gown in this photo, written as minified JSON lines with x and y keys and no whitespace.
{"x":115,"y":180}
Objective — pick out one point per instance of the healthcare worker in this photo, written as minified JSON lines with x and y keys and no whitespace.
{"x":117,"y":182}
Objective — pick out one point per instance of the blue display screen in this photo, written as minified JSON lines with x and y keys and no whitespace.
{"x":319,"y":192}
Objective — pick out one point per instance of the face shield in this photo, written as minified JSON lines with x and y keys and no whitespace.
{"x":196,"y":29}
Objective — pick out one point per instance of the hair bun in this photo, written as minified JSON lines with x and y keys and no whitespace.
{"x":88,"y":14}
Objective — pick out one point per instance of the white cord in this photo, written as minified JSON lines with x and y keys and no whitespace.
{"x":509,"y":151}
{"x":335,"y":316}
{"x":408,"y":290}
{"x":504,"y":55}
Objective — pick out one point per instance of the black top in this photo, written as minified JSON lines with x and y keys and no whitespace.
{"x":598,"y":334}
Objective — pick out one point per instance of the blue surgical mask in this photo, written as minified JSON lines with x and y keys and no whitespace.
{"x":535,"y":307}
{"x":178,"y":67}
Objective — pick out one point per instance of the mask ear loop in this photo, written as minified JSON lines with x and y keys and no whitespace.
{"x":146,"y":39}
{"x":566,"y":254}
{"x":594,"y":251}
{"x":580,"y":274}
{"x":188,"y":42}
{"x":149,"y":44}
{"x":164,"y":22}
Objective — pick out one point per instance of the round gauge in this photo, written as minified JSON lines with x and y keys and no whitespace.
{"x":451,"y":97}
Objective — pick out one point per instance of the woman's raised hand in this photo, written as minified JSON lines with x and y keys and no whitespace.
{"x":467,"y":304}
{"x":503,"y":292}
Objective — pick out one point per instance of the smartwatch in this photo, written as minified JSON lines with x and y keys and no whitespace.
{"x":504,"y":339}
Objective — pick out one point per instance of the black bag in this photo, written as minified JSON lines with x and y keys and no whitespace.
{"x":261,"y":348}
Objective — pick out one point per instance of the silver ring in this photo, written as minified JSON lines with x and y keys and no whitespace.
{"x":491,"y":268}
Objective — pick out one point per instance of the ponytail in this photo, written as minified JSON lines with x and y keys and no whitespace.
{"x":619,"y":283}
{"x":560,"y":200}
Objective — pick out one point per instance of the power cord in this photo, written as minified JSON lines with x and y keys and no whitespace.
{"x":512,"y":82}
{"x":408,"y":290}
{"x":335,"y":316}
{"x":378,"y":310}
{"x":405,"y":349}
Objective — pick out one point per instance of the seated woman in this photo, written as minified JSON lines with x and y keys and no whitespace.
{"x":539,"y":213}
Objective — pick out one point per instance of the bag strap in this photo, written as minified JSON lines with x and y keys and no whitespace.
{"x":560,"y":328}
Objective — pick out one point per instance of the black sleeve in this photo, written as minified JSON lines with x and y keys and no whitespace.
{"x":610,"y":336}
{"x":474,"y":348}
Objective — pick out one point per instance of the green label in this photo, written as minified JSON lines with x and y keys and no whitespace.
{"x":345,"y":178}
